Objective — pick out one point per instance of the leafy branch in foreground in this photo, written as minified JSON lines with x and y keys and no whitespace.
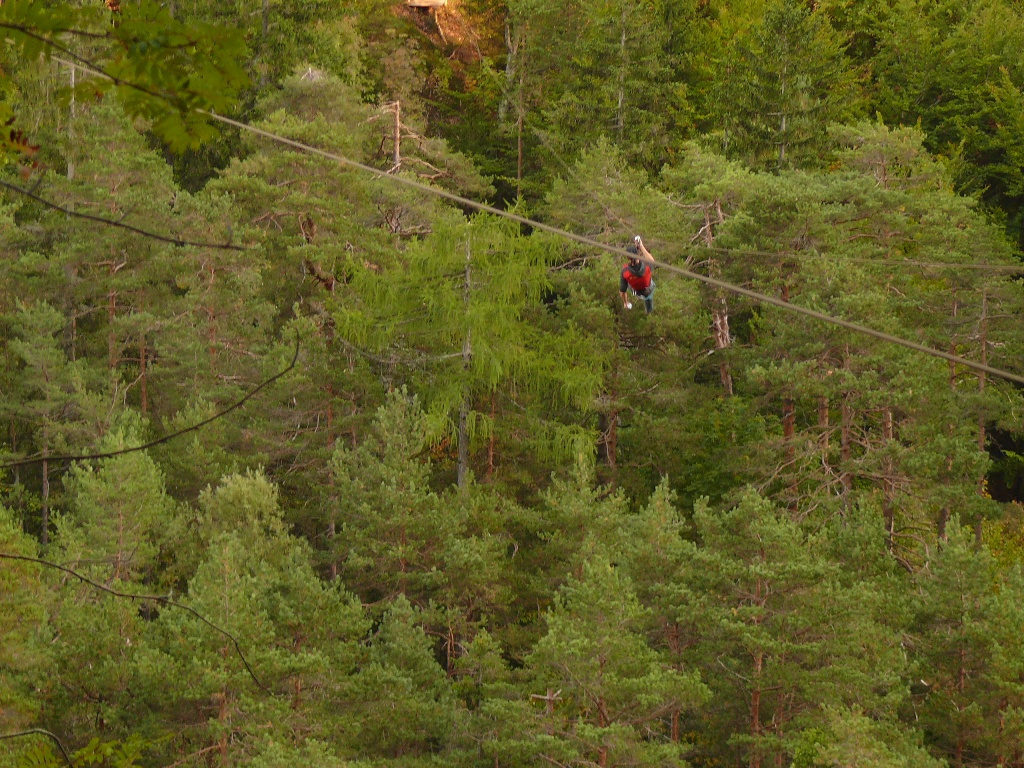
{"x":161,"y":69}
{"x":41,"y":732}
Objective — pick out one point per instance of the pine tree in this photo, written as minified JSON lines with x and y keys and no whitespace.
{"x":299,"y":636}
{"x":407,"y":705}
{"x":950,"y":67}
{"x":117,"y":510}
{"x":56,"y":400}
{"x":603,"y":687}
{"x":781,"y":84}
{"x":967,"y":663}
{"x":25,"y":653}
{"x":778,"y":632}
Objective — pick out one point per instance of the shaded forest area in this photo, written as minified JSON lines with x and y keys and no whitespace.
{"x":450,"y":503}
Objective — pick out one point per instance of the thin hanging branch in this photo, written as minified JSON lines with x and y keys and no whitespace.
{"x":166,"y":438}
{"x":161,"y":599}
{"x":41,"y":732}
{"x":114,"y":223}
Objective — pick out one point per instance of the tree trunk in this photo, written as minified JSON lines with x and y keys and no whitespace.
{"x":332,"y":530}
{"x":45,"y":538}
{"x":122,"y":535}
{"x":222,"y":716}
{"x":782,"y":120}
{"x":981,"y":485}
{"x":519,"y":141}
{"x":71,"y":127}
{"x":72,"y":311}
{"x":607,"y":424}
{"x":789,"y":427}
{"x":211,"y":327}
{"x":889,"y":479}
{"x":143,"y":386}
{"x":491,"y":444}
{"x":263,"y":43}
{"x":961,"y":684}
{"x":755,"y":711}
{"x":823,"y":442}
{"x":111,"y":315}
{"x":755,"y":694}
{"x":396,"y":156}
{"x":467,"y":354}
{"x":719,"y":305}
{"x":511,"y":67}
{"x":16,"y":469}
{"x":620,"y":120}
{"x":846,"y":431}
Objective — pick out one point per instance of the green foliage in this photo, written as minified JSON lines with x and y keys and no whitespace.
{"x":391,"y":527}
{"x":163,"y":70}
{"x":488,"y":518}
{"x":406,"y":700}
{"x":24,"y":628}
{"x":611,"y":686}
{"x":105,"y":754}
{"x":948,"y":67}
{"x":781,"y":84}
{"x":120,"y":508}
{"x":771,"y":609}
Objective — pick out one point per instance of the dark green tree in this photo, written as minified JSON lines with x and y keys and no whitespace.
{"x":781,"y":84}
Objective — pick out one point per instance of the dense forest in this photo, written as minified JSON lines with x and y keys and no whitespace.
{"x":327,"y":440}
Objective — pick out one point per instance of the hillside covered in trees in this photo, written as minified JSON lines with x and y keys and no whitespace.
{"x":327,"y":441}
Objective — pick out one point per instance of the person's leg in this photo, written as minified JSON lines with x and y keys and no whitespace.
{"x":649,"y":299}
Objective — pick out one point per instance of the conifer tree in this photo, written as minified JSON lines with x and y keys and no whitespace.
{"x":774,"y":619}
{"x":602,"y":685}
{"x":950,"y":67}
{"x":459,"y":322}
{"x":392,"y":529}
{"x":967,"y":664}
{"x":407,"y":706}
{"x":781,"y":84}
{"x":117,"y":510}
{"x":299,"y":636}
{"x":56,"y":400}
{"x":25,"y":652}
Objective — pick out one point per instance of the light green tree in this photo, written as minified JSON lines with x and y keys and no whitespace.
{"x":605,"y":690}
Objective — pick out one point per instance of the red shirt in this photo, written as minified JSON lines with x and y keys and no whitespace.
{"x":639,"y":279}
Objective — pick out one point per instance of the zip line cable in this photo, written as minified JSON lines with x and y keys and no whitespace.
{"x":1019,"y":268}
{"x":483,"y":207}
{"x":882,"y":264}
{"x":712,"y":281}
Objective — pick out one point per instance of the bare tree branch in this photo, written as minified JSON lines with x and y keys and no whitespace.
{"x":165,"y":438}
{"x":152,"y":598}
{"x":41,"y":732}
{"x":114,"y":223}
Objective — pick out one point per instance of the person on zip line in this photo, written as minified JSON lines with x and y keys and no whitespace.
{"x":636,"y":276}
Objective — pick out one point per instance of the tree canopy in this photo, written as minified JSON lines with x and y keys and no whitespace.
{"x":301,"y":465}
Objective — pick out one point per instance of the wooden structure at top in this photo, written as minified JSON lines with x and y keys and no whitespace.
{"x":426,"y":3}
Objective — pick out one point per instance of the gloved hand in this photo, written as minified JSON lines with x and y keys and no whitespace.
{"x":637,"y":240}
{"x":628,"y":305}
